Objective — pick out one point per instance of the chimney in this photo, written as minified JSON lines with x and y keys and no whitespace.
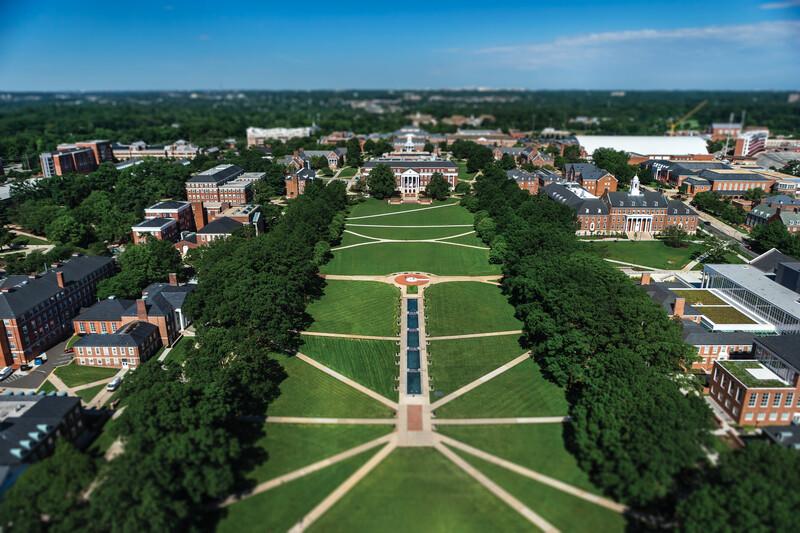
{"x":173,"y":279}
{"x":645,"y":278}
{"x":60,"y":279}
{"x":141,"y":310}
{"x":680,"y":304}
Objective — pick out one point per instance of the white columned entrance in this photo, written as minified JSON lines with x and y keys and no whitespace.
{"x":409,"y":183}
{"x":639,"y":223}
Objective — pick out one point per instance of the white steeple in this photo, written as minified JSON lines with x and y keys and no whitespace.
{"x":635,"y":186}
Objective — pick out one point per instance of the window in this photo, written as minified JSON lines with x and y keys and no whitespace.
{"x":776,"y":401}
{"x":773,"y":417}
{"x":784,"y":416}
{"x":748,"y":416}
{"x":103,"y":328}
{"x":761,"y":416}
{"x":82,"y":327}
{"x":764,"y":399}
{"x":789,"y":399}
{"x":113,"y":350}
{"x":92,"y":328}
{"x":738,"y":395}
{"x":716,"y":374}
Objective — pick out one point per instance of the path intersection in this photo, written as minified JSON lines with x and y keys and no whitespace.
{"x":415,"y":407}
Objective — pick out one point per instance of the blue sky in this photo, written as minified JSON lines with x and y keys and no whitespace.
{"x":92,"y":45}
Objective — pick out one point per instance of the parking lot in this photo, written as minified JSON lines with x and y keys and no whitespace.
{"x":32,"y":379}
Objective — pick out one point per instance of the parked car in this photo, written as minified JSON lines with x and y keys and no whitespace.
{"x":114,"y":384}
{"x":38,"y":361}
{"x":25,"y":367}
{"x":5,"y":372}
{"x":43,"y":356}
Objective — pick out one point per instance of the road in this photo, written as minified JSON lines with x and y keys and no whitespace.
{"x":34,"y":378}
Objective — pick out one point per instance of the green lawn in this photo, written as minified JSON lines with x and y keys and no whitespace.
{"x":422,"y":216}
{"x":371,"y":206}
{"x":462,"y":171}
{"x":310,"y":392}
{"x":694,"y":296}
{"x":408,"y":234}
{"x":412,"y":289}
{"x":457,"y":308}
{"x":349,"y":238}
{"x":106,"y":437}
{"x":280,"y":508}
{"x":564,"y":511}
{"x":653,"y":254}
{"x":455,"y":363}
{"x":433,"y":258}
{"x":371,"y":363}
{"x":418,"y":489}
{"x":180,"y":350}
{"x":88,"y":394}
{"x":46,"y":386}
{"x":539,"y":447}
{"x":470,"y":239}
{"x":292,"y":446}
{"x":74,"y":375}
{"x":725,"y":315}
{"x":520,"y":391}
{"x":348,"y":172}
{"x":356,"y":307}
{"x":72,"y":340}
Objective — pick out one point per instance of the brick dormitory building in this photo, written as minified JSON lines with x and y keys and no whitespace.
{"x":413,"y":174}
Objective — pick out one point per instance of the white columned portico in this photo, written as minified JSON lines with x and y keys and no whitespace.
{"x":409,"y":183}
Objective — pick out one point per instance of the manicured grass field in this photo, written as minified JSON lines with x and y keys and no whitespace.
{"x":46,"y":386}
{"x":310,"y":392}
{"x":456,"y":363}
{"x":539,"y":447}
{"x":520,"y":391}
{"x":349,"y":238}
{"x":74,"y":375}
{"x":180,"y":350}
{"x":348,"y":172}
{"x":280,"y":508}
{"x":699,"y":297}
{"x":291,"y":446}
{"x":434,"y":258}
{"x":408,"y":234}
{"x":371,"y":363}
{"x":457,"y":308}
{"x":357,"y":307}
{"x":725,"y":315}
{"x":653,"y":254}
{"x":564,"y":511}
{"x":470,"y":239}
{"x":423,"y":216}
{"x":418,"y":489}
{"x":462,"y":171}
{"x":88,"y":394}
{"x":371,"y":206}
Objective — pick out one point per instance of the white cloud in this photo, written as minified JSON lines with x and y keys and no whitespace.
{"x":593,"y":46}
{"x":781,"y":5}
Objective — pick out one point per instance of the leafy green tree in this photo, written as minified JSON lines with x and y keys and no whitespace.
{"x":675,"y":237}
{"x":741,"y":493}
{"x":754,"y":195}
{"x":438,"y":188}
{"x":319,"y":162}
{"x":381,"y":181}
{"x":354,"y":157}
{"x":507,"y":162}
{"x":428,"y":147}
{"x":35,"y":215}
{"x":45,"y":496}
{"x":771,"y":235}
{"x":67,"y":230}
{"x":486,"y":229}
{"x":6,"y":237}
{"x":462,"y":187}
{"x":792,"y":167}
{"x":140,"y":266}
{"x":616,"y":162}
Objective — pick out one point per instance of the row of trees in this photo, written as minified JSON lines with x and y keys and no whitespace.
{"x":616,"y":352}
{"x":184,"y":433}
{"x":711,"y":202}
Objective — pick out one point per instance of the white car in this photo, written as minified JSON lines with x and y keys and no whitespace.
{"x":114,"y":384}
{"x":5,"y":372}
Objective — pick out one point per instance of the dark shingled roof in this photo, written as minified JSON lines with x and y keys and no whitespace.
{"x":220,"y":226}
{"x":169,"y":204}
{"x":133,"y":334}
{"x":588,"y":171}
{"x":106,"y":310}
{"x":220,"y":173}
{"x":676,"y":207}
{"x":769,"y":260}
{"x":155,"y":223}
{"x":406,"y":163}
{"x":697,"y":335}
{"x":581,"y":206}
{"x":787,"y":347}
{"x":663,"y":296}
{"x":787,"y":436}
{"x":27,"y":293}
{"x":712,"y":175}
{"x":645,"y":199}
{"x":520,"y":175}
{"x":40,"y":419}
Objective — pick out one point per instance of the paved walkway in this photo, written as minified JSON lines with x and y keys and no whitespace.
{"x":438,"y":240}
{"x":498,"y":491}
{"x":481,"y":380}
{"x":343,"y":489}
{"x":532,"y":474}
{"x":344,"y":379}
{"x":500,"y":421}
{"x":476,"y":335}
{"x":404,"y":211}
{"x":429,"y":226}
{"x":348,"y":336}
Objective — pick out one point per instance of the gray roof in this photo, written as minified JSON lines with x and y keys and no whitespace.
{"x":697,"y":335}
{"x":662,"y":294}
{"x":587,"y":171}
{"x":39,"y":420}
{"x":644,"y":199}
{"x":155,"y":223}
{"x":26,"y":293}
{"x":780,"y":199}
{"x":756,"y":282}
{"x":769,"y":260}
{"x":697,"y":180}
{"x":304,"y":174}
{"x":676,"y":207}
{"x":712,"y":175}
{"x":220,"y":173}
{"x":520,"y":175}
{"x":787,"y":347}
{"x":169,"y":204}
{"x":106,"y":310}
{"x":581,"y":206}
{"x":410,"y":163}
{"x":132,"y":334}
{"x":220,"y":226}
{"x":787,"y":436}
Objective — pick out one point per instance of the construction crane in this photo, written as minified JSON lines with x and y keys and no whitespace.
{"x":686,"y":117}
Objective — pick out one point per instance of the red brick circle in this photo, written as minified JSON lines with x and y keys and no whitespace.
{"x":412,"y":279}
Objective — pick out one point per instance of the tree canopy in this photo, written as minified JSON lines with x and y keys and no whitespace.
{"x":381,"y":181}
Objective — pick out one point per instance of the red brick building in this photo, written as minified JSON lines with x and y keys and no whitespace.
{"x":180,"y":212}
{"x":412,"y":175}
{"x":763,"y":390}
{"x":80,"y":157}
{"x":130,"y":346}
{"x":162,"y":229}
{"x":37,"y":311}
{"x":219,"y":228}
{"x":218,"y":188}
{"x":595,"y":180}
{"x":525,"y":180}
